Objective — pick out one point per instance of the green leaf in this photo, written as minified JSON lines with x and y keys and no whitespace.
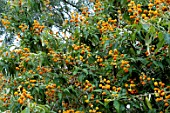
{"x":96,"y":37}
{"x":91,"y":60}
{"x":98,"y":90}
{"x":152,"y":111}
{"x":122,"y":108}
{"x":81,"y":77}
{"x":76,"y":70}
{"x":159,"y":45}
{"x":26,"y":110}
{"x":106,"y":44}
{"x":145,"y":26}
{"x":85,"y":71}
{"x":132,"y":51}
{"x":148,"y":39}
{"x":85,"y":33}
{"x":159,"y":64}
{"x":169,"y":51}
{"x":167,"y":109}
{"x":101,"y":103}
{"x":160,"y":36}
{"x":143,"y":61}
{"x":45,"y":109}
{"x":72,"y":91}
{"x":167,"y":38}
{"x":60,"y":96}
{"x":117,"y":106}
{"x":66,"y":91}
{"x":133,"y":36}
{"x":152,"y":30}
{"x":148,"y":103}
{"x":168,"y":60}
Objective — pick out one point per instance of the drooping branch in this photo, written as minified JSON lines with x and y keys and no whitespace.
{"x":72,"y":5}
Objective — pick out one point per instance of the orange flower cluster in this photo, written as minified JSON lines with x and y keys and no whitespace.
{"x":56,"y":57}
{"x":100,"y":61}
{"x":46,"y":2}
{"x":23,"y":27}
{"x":131,"y":87}
{"x":138,"y":13}
{"x":88,"y":86}
{"x":85,"y":11}
{"x":106,"y":85}
{"x":23,"y":96}
{"x":94,"y":110}
{"x":161,"y":93}
{"x":144,"y":79}
{"x":42,"y":70}
{"x":72,"y":111}
{"x":25,"y":53}
{"x":51,"y":92}
{"x":135,"y":10}
{"x":81,"y":19}
{"x":110,"y":25}
{"x":98,"y":6}
{"x":125,"y":65}
{"x":6,"y":99}
{"x":84,"y":49}
{"x":37,"y":28}
{"x":5,"y":22}
{"x":78,"y":19}
{"x":20,"y":3}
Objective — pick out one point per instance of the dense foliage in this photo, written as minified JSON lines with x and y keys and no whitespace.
{"x":113,"y":57}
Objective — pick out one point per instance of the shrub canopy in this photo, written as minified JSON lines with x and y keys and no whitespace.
{"x":109,"y":57}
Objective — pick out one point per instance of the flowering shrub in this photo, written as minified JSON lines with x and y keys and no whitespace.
{"x":109,"y":63}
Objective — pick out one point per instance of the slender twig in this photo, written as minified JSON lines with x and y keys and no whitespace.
{"x":72,"y":5}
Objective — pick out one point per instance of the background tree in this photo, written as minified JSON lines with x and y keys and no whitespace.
{"x":115,"y":56}
{"x":58,"y":11}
